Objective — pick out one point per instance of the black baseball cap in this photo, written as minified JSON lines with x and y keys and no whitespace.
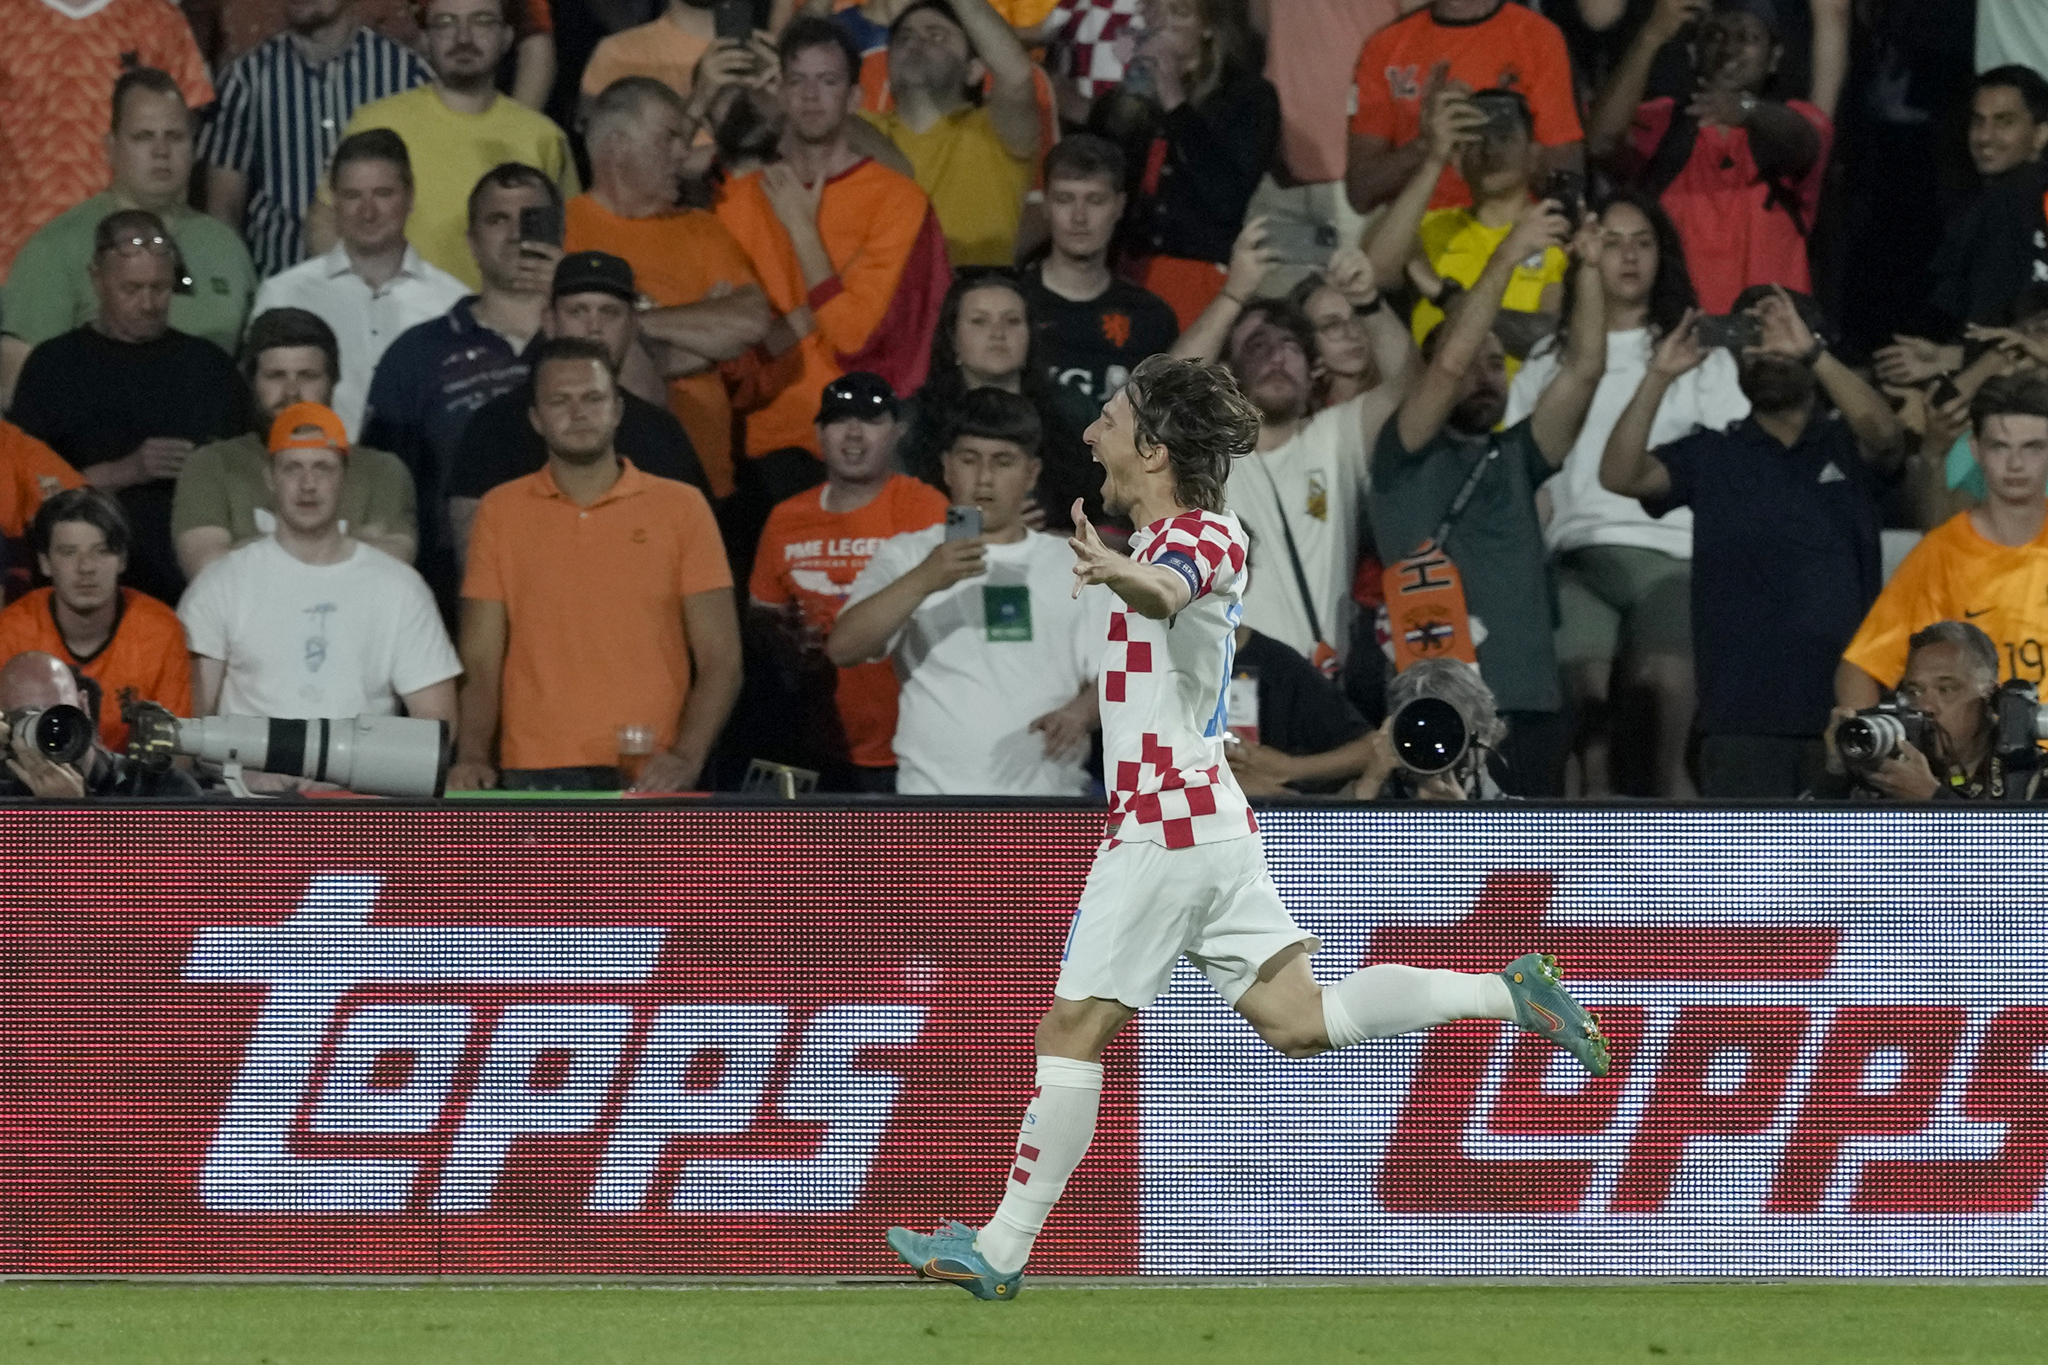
{"x":594,"y":272}
{"x":860,"y":394}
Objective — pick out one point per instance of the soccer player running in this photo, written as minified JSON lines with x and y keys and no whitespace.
{"x":1181,"y":871}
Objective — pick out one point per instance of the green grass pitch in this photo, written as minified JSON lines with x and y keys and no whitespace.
{"x":1053,"y":1323}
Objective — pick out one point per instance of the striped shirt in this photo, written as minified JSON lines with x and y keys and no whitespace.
{"x":279,"y":120}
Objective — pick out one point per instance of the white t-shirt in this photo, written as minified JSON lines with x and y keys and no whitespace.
{"x":1707,"y":396}
{"x":2011,"y":32}
{"x":307,"y":641}
{"x":1320,"y":478}
{"x":964,"y":715}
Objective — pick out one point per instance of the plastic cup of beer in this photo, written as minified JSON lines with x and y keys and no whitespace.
{"x":636,"y":746}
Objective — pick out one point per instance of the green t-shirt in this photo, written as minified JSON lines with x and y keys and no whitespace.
{"x":222,"y":485}
{"x":48,"y":291}
{"x":1497,"y":544}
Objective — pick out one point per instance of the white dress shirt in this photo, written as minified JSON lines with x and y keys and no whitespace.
{"x":365,"y":320}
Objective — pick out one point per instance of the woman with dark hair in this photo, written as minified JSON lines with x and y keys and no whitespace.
{"x":1624,"y":578}
{"x":1340,"y":366}
{"x":1199,"y":126}
{"x":984,"y":339}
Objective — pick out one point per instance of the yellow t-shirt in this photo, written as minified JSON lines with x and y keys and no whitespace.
{"x":976,"y":187}
{"x":1955,"y":574}
{"x":450,"y":153}
{"x":1458,"y":247}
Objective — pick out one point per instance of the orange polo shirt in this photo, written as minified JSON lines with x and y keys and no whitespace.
{"x":146,"y":655}
{"x":594,"y":600}
{"x":811,"y":556}
{"x":869,"y":219}
{"x":677,"y":258}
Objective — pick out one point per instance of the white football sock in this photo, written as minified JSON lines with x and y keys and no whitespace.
{"x":1053,"y":1138}
{"x":1387,"y":999}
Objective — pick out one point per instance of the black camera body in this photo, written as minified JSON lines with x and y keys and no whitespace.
{"x":2020,"y":723}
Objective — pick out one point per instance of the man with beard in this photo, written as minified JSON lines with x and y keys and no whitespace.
{"x":282,"y":107}
{"x":591,"y":559}
{"x":457,"y":129}
{"x":1442,"y":474}
{"x":1300,"y":495}
{"x":1785,"y":537}
{"x":973,"y":157}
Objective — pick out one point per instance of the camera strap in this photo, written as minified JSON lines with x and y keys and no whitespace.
{"x":1325,"y":656}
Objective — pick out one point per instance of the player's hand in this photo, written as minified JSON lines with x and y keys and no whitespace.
{"x":666,"y":772}
{"x":1094,"y":562}
{"x":1905,"y":776}
{"x":1261,"y":770}
{"x":33,"y":769}
{"x":951,"y":561}
{"x":472,"y":777}
{"x":1251,"y":260}
{"x":1066,"y":729}
{"x":1680,"y":349}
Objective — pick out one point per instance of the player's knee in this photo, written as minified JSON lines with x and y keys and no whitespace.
{"x":1293,"y":1042}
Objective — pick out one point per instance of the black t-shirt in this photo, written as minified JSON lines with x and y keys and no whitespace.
{"x":500,"y":445}
{"x":1094,"y":346}
{"x":1300,"y":711}
{"x":1784,"y":567}
{"x":93,"y":399}
{"x":1987,"y":253}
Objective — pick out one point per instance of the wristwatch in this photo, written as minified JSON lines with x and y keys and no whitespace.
{"x":1814,"y":352}
{"x":1366,"y":310}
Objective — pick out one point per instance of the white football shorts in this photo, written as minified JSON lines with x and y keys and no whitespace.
{"x":1146,"y":906}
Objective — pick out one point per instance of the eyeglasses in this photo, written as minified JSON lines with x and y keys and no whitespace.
{"x":482,"y":25}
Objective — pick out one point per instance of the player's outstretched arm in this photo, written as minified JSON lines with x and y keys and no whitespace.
{"x":1147,"y":588}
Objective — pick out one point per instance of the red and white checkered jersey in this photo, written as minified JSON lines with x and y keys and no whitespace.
{"x":1166,"y":692}
{"x":1094,"y":42}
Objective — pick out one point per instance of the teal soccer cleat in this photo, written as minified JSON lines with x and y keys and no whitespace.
{"x":948,"y":1254}
{"x":1543,"y":1008}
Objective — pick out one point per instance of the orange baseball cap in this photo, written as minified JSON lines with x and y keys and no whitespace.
{"x":333,"y":435}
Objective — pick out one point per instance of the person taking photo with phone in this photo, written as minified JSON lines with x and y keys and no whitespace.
{"x":995,"y":652}
{"x":1490,"y":136}
{"x":1785,"y":535}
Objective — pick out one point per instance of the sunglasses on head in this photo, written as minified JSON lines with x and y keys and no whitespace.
{"x":155,"y":244}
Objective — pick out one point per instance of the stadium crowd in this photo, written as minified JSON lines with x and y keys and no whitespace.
{"x":685,"y":385}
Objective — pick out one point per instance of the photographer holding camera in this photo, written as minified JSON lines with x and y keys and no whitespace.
{"x":1944,"y":729}
{"x":32,"y":686}
{"x":1421,"y":754}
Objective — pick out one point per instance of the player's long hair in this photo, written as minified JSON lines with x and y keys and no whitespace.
{"x":1198,"y":413}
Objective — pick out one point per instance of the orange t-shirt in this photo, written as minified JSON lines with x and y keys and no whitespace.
{"x":869,"y":219}
{"x":676,"y":259}
{"x":594,"y":598}
{"x":146,"y":655}
{"x":659,"y":49}
{"x":1955,"y":574}
{"x":1513,"y":49}
{"x":57,"y":77}
{"x":811,"y":556}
